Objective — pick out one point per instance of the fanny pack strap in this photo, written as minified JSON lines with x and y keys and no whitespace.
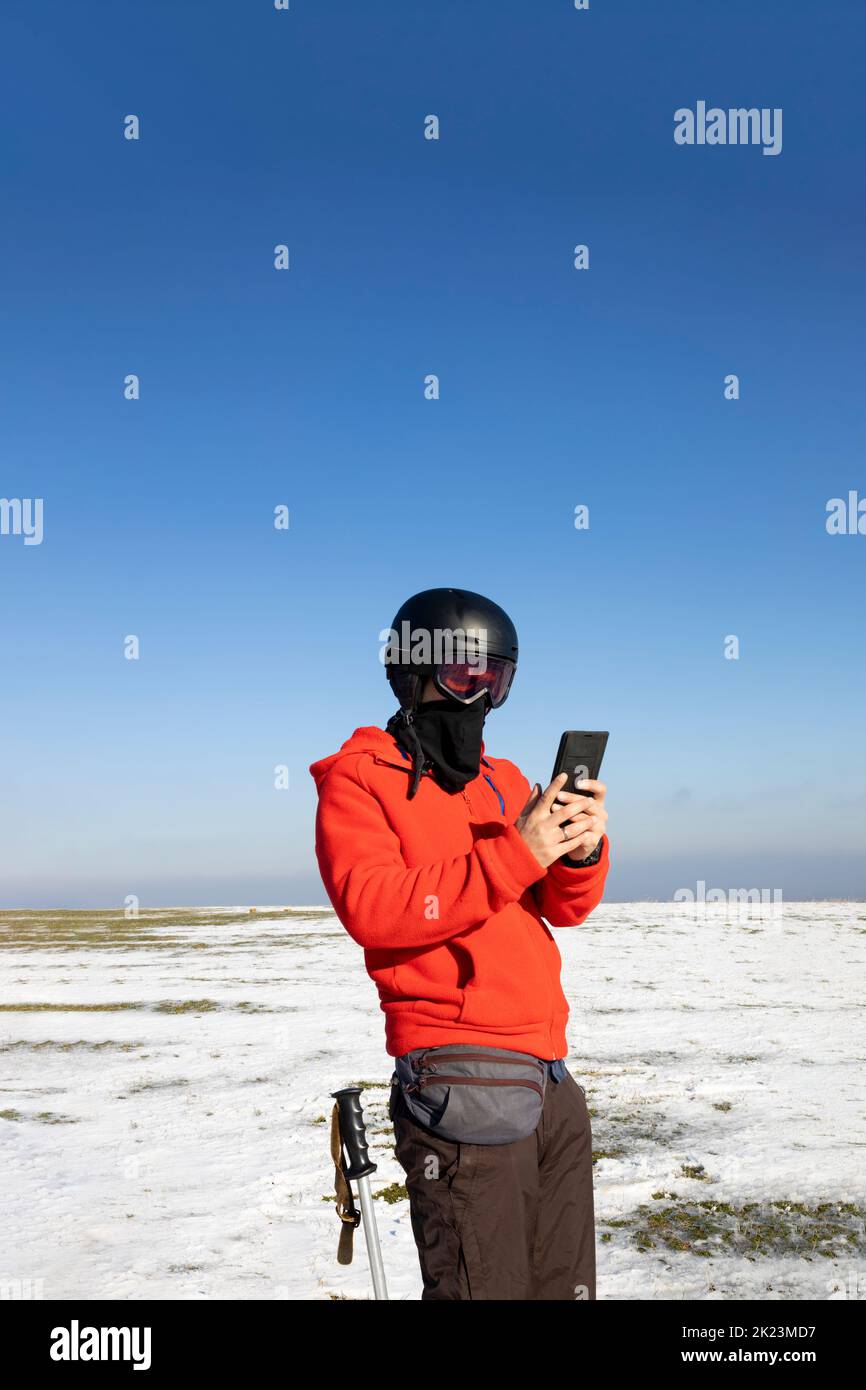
{"x":556,"y":1069}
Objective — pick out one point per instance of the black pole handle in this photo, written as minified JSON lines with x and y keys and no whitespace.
{"x":353,"y":1133}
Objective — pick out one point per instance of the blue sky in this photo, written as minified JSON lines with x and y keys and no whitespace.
{"x":558,"y":388}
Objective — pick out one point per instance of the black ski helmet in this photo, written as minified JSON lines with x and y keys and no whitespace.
{"x":489,"y":633}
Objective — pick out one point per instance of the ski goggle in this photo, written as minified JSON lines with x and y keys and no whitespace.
{"x":467,"y":683}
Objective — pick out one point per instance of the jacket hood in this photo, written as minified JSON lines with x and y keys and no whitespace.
{"x":369,"y":739}
{"x":365,"y":740}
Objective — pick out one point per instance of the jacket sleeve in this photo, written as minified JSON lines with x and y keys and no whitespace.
{"x":567,"y":895}
{"x":381,"y":901}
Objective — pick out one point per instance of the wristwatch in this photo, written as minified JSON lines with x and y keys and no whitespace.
{"x":590,"y":858}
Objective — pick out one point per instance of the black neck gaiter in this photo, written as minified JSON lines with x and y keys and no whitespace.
{"x":445,"y":735}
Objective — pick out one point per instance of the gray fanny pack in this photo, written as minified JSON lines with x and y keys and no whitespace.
{"x":472,"y":1094}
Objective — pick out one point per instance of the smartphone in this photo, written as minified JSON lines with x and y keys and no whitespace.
{"x":580,"y":754}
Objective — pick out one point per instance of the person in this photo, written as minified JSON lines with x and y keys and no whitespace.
{"x":449,"y":870}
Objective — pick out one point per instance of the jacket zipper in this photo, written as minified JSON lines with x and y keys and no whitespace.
{"x":495,"y":789}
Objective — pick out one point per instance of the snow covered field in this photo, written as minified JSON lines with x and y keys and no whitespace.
{"x":164,"y":1092}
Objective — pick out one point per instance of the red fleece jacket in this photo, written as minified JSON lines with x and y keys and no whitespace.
{"x":447,"y":900}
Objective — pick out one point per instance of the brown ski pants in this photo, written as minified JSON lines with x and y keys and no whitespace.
{"x":504,"y":1221}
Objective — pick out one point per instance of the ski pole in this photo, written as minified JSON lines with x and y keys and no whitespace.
{"x":358,"y":1169}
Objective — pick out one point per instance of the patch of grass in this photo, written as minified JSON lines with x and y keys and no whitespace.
{"x":723,"y":1105}
{"x":43,"y":1117}
{"x":49,"y":1045}
{"x":632,"y":1131}
{"x":155,"y":930}
{"x":69,"y":1008}
{"x":627,"y":1061}
{"x":396,"y":1192}
{"x":827,"y":1230}
{"x":696,"y":1171}
{"x":185,"y":1006}
{"x":599,"y":1154}
{"x":164,"y":1006}
{"x":245,"y":1006}
{"x":140,"y":1086}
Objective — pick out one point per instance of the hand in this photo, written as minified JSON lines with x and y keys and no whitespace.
{"x":589,"y":817}
{"x":552,"y":830}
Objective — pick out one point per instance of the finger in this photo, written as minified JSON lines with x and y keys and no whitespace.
{"x":588,"y":839}
{"x":580,"y":848}
{"x":589,"y":784}
{"x":584,"y":825}
{"x":588,"y":835}
{"x":587,"y":796}
{"x":575,"y":800}
{"x":533,"y":800}
{"x":584,"y":818}
{"x":581,"y":806}
{"x":549,"y":794}
{"x":573,"y":808}
{"x":587,"y":828}
{"x":576,"y":848}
